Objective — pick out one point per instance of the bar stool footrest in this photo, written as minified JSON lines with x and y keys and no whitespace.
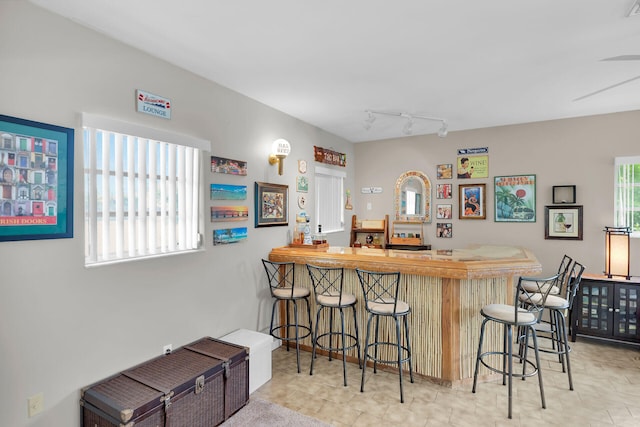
{"x":394,"y":347}
{"x":277,"y":333}
{"x":514,"y":356}
{"x":348,"y":337}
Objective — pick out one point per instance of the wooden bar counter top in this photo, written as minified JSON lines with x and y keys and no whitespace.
{"x":445,"y":289}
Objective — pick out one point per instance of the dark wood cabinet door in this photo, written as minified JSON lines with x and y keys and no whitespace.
{"x":626,"y":314}
{"x":595,"y":308}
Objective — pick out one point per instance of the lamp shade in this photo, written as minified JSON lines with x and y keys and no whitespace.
{"x":281,"y":148}
{"x":616,"y":251}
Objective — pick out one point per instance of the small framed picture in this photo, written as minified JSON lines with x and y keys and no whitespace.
{"x":445,"y":171}
{"x":443,"y":211}
{"x":443,"y":191}
{"x":564,"y":194}
{"x":563,"y":222}
{"x":444,"y":229}
{"x":472,"y":202}
{"x":302,"y":184}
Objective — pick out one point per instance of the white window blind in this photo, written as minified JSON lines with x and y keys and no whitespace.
{"x":627,"y":193}
{"x":142,"y":191}
{"x":329,"y":199}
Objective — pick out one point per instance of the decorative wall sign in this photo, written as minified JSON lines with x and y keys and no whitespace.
{"x":371,"y":190}
{"x":272,"y":204}
{"x":515,"y":198}
{"x":467,"y":151}
{"x":302,"y":166}
{"x":36,"y":180}
{"x":324,"y":155}
{"x":472,"y":201}
{"x":229,"y":235}
{"x":302,"y":201}
{"x":473,"y":167}
{"x":302,"y":184}
{"x":229,"y":213}
{"x":228,"y":166}
{"x":563,"y":222}
{"x":228,"y":192}
{"x":154,"y":105}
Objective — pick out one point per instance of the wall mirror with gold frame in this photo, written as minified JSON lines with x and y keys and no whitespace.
{"x":413,"y":197}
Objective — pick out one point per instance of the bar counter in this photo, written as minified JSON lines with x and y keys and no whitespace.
{"x":445,"y":289}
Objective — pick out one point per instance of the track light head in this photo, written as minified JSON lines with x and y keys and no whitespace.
{"x":407,"y":129}
{"x":369,"y":120}
{"x":444,"y":130}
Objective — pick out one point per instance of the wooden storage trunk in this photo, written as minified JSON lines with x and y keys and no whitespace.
{"x":198,"y":385}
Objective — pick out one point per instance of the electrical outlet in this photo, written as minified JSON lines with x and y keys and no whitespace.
{"x":35,"y":404}
{"x":167,"y":349}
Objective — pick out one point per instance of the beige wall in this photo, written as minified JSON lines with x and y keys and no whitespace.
{"x":562,"y":152}
{"x":63,"y":326}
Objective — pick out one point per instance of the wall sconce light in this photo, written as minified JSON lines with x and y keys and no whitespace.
{"x":616,"y":251}
{"x":279,"y":150}
{"x":407,"y":129}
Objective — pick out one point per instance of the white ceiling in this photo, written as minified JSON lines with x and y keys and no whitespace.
{"x":475,"y":63}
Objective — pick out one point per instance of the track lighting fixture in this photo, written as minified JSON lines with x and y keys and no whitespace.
{"x":369,"y":120}
{"x":444,"y":130}
{"x":407,"y":129}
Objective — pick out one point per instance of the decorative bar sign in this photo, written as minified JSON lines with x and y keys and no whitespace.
{"x":154,"y":105}
{"x":324,"y":155}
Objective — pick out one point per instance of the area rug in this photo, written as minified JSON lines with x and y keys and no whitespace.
{"x":260,"y":412}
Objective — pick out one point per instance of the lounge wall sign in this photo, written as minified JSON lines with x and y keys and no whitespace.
{"x":154,"y":105}
{"x":324,"y":155}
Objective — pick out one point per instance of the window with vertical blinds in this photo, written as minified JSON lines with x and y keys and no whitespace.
{"x":142,"y":191}
{"x":627,"y":193}
{"x":329,"y":199}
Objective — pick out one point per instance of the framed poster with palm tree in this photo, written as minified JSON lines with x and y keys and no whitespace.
{"x":515,"y":198}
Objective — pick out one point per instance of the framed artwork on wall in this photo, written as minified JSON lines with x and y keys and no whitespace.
{"x":228,"y":166}
{"x":564,"y":194}
{"x":444,"y":229}
{"x":472,"y":201}
{"x":272,"y":204}
{"x":563,"y":222}
{"x":445,"y":171}
{"x":515,"y":198}
{"x":228,"y":192}
{"x":229,"y":235}
{"x":229,"y":213}
{"x":36,"y":180}
{"x":444,"y":211}
{"x":443,"y":191}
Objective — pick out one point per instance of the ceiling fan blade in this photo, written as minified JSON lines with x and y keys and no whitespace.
{"x":607,"y":88}
{"x":623,"y":58}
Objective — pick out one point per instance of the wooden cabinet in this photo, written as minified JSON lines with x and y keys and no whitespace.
{"x":369,"y":229}
{"x":607,"y":308}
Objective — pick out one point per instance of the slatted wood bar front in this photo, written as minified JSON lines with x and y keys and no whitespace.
{"x":445,"y":289}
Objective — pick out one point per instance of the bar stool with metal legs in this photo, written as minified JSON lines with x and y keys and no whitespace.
{"x":555,"y":329}
{"x":328,"y":284}
{"x":282,"y":284}
{"x":380,"y":291}
{"x":517,"y":316}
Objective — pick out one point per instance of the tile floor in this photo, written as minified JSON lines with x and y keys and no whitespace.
{"x":606,"y":392}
